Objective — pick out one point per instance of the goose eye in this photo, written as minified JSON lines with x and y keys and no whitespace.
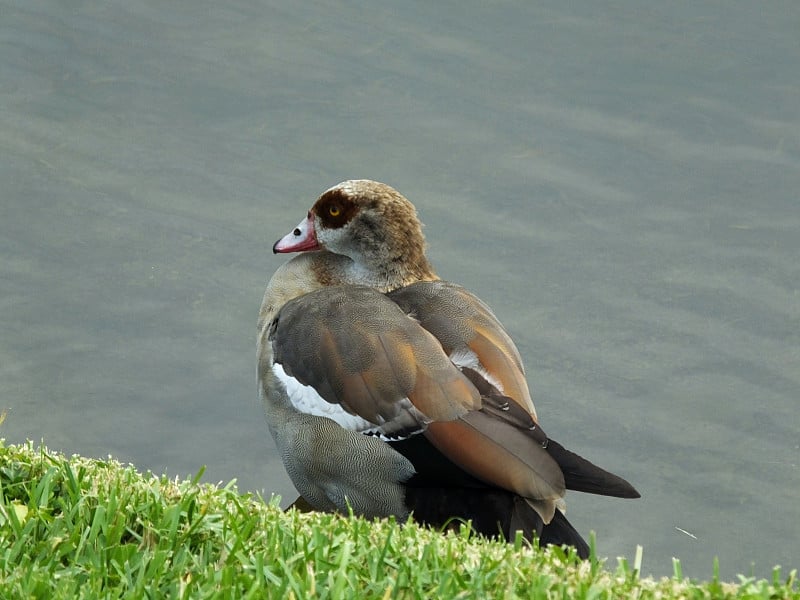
{"x":334,"y":210}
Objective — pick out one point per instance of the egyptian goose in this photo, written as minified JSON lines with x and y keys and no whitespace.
{"x":389,"y":391}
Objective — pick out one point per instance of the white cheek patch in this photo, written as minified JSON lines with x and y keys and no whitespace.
{"x":464,"y":358}
{"x":307,"y":401}
{"x":327,"y":237}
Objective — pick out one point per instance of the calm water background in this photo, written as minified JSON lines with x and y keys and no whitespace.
{"x":619,"y":181}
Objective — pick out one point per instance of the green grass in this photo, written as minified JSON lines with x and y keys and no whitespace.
{"x":84,"y":528}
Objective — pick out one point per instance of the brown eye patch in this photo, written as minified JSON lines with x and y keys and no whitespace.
{"x":334,"y":209}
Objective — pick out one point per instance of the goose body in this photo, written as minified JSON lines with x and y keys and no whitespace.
{"x":389,"y":391}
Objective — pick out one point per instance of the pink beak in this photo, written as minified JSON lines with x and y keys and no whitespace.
{"x":303,"y":238}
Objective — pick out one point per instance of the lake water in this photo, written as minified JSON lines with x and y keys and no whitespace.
{"x":620,"y":181}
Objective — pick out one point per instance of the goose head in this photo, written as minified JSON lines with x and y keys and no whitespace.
{"x":371,"y":224}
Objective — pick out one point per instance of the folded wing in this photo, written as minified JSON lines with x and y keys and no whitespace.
{"x":359,"y":349}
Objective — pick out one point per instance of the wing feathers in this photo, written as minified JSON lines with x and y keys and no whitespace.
{"x":584,"y":476}
{"x":358,"y":349}
{"x":501,"y":455}
{"x":464,"y":326}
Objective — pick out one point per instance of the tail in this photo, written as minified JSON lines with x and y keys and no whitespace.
{"x":560,"y":532}
{"x":493,"y":513}
{"x":442,"y":495}
{"x":584,"y":476}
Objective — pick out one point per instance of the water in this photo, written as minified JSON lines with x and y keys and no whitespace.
{"x":619,"y":181}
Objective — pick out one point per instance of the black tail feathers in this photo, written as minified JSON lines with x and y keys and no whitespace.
{"x":584,"y":476}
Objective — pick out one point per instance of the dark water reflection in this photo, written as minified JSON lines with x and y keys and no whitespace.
{"x":619,"y":182}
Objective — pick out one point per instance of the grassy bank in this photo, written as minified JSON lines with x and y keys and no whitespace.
{"x":84,"y":528}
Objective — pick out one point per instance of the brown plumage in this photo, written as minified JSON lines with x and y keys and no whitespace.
{"x":389,"y":391}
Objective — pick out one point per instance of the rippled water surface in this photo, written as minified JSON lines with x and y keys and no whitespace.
{"x":619,"y":181}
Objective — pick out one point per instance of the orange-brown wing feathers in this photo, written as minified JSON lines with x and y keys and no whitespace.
{"x":357,"y":349}
{"x":361,"y":351}
{"x":494,"y":351}
{"x":503,"y":455}
{"x":468,"y":329}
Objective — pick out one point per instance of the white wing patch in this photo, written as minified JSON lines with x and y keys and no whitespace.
{"x":464,"y":358}
{"x":306,"y":400}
